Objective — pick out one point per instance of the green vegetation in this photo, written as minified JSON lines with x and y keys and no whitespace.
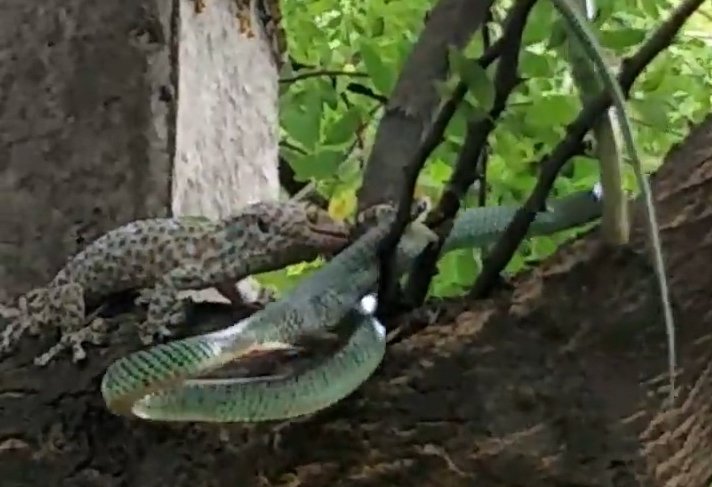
{"x":355,"y":50}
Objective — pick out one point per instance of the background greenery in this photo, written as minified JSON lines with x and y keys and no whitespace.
{"x":328,"y":123}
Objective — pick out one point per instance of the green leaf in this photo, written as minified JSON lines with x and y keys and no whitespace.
{"x":438,"y":171}
{"x":671,"y":94}
{"x":377,"y":26}
{"x":319,"y":165}
{"x":651,"y":112}
{"x":538,"y":27}
{"x":533,"y":65}
{"x":344,"y":129}
{"x":586,"y":173}
{"x":327,"y":93}
{"x":559,"y":34}
{"x":456,"y":271}
{"x":380,"y":74}
{"x":472,"y":110}
{"x":477,"y":80}
{"x":303,"y":122}
{"x":458,"y":125}
{"x":552,"y":110}
{"x":466,"y":267}
{"x":620,"y":39}
{"x":349,"y":171}
{"x":651,"y":8}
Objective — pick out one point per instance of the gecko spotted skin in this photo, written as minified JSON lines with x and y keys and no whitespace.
{"x":269,"y":13}
{"x":163,"y":256}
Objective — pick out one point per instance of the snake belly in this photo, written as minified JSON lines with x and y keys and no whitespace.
{"x":159,"y":383}
{"x":275,"y":397}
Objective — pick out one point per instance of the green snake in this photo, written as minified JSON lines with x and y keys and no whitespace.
{"x":160,"y":383}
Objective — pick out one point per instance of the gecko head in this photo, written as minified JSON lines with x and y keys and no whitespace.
{"x":293,"y":227}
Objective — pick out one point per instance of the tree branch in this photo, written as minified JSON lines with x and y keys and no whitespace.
{"x":466,"y":168}
{"x":359,"y":89}
{"x":409,"y":115}
{"x":552,"y":164}
{"x":415,"y":99}
{"x":322,"y":72}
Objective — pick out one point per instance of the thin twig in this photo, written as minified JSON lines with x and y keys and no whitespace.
{"x":359,"y":89}
{"x":322,"y":72}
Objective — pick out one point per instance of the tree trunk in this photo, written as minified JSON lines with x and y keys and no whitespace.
{"x":558,"y":383}
{"x":116,"y":111}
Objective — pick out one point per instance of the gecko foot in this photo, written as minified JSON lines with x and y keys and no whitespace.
{"x":12,"y":333}
{"x":148,"y":332}
{"x":144,"y":297}
{"x":165,"y":309}
{"x":94,"y":333}
{"x":8,"y":312}
{"x":155,"y":328}
{"x":32,"y":312}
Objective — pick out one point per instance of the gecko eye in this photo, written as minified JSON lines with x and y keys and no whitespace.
{"x":262,"y":225}
{"x":312,"y":214}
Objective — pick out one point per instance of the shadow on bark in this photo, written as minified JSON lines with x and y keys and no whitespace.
{"x":557,"y":384}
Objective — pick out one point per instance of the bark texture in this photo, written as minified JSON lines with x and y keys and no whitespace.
{"x":110,"y":112}
{"x":226,"y":145}
{"x":73,"y":73}
{"x":558,"y":383}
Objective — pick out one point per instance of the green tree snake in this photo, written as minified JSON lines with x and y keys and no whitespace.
{"x":160,"y":383}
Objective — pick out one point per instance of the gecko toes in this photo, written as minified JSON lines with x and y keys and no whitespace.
{"x":149,"y":333}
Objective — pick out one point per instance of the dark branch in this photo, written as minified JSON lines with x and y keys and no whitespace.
{"x":484,"y":155}
{"x":409,"y":114}
{"x":552,"y":164}
{"x":331,"y":73}
{"x":415,"y":99}
{"x":359,"y":89}
{"x":467,"y":167}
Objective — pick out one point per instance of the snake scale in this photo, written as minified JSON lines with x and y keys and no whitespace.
{"x":162,"y":383}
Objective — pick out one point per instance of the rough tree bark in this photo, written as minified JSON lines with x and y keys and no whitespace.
{"x":111,"y":112}
{"x":559,"y":383}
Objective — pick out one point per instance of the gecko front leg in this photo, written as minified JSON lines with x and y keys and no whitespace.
{"x":94,"y":333}
{"x":165,"y":307}
{"x":65,"y":307}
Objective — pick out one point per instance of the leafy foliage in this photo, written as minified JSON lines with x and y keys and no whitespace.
{"x":328,"y":122}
